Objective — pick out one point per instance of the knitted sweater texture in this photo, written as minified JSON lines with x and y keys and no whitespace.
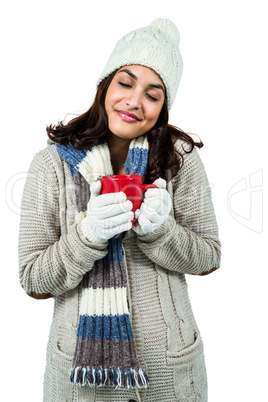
{"x":54,"y":255}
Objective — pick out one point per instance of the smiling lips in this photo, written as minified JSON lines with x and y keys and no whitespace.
{"x":126,"y":116}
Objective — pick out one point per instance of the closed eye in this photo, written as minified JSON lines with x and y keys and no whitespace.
{"x":152,"y":98}
{"x":124,"y":85}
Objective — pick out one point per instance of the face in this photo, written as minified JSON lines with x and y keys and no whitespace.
{"x":134,"y":101}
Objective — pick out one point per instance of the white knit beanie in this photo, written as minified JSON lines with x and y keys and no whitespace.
{"x":155,"y":46}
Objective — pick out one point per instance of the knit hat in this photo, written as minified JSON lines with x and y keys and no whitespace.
{"x":155,"y":46}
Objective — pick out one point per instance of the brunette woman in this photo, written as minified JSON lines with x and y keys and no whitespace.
{"x":123,"y":328}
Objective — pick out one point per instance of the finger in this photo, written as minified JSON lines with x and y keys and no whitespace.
{"x":153,"y":193}
{"x":116,"y":220}
{"x":151,"y":214}
{"x":161,"y":183}
{"x":111,"y":232}
{"x":110,"y":210}
{"x":111,"y":198}
{"x":160,"y":194}
{"x":137,"y":213}
{"x":153,"y":205}
{"x":95,"y":189}
{"x":138,"y":230}
{"x":145,"y":223}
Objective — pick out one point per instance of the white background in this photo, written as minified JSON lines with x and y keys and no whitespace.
{"x":52,"y":53}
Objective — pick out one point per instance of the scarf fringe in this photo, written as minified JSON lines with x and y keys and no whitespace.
{"x":99,"y":377}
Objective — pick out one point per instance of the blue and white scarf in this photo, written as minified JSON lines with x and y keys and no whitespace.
{"x":105,"y":348}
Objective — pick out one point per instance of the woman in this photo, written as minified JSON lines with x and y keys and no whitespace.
{"x":123,"y":328}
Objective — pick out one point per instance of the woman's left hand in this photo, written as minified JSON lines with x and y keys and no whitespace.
{"x":154,"y":209}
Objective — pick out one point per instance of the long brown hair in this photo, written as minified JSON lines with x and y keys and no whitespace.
{"x":91,"y":128}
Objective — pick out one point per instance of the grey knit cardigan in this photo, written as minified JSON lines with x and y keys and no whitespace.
{"x":54,"y":255}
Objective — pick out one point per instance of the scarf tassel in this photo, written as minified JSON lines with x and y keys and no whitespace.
{"x":116,"y":377}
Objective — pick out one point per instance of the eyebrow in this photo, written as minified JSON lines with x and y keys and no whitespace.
{"x":157,"y":86}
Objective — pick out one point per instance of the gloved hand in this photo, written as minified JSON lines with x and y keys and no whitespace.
{"x":107,"y":215}
{"x":154,"y":209}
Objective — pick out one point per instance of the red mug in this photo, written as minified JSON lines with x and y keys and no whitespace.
{"x":131,"y":184}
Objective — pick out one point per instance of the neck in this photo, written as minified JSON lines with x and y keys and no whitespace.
{"x":118,"y":148}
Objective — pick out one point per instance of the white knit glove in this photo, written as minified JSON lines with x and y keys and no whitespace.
{"x":107,"y":215}
{"x":154,"y":209}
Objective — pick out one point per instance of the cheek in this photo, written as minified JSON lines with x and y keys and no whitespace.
{"x":110,"y":98}
{"x":153,"y":113}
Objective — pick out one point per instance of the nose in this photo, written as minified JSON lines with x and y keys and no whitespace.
{"x":134,"y":100}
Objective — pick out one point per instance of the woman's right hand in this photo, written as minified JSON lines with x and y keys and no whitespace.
{"x":107,"y":214}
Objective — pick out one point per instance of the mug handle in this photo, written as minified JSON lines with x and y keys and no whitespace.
{"x":145,"y":186}
{"x":143,"y":189}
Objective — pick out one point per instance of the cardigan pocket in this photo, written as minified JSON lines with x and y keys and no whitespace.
{"x":61,"y":369}
{"x":66,"y":341}
{"x":62,"y":358}
{"x":189,"y":372}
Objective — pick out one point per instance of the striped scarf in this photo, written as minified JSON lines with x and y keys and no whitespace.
{"x":105,"y":348}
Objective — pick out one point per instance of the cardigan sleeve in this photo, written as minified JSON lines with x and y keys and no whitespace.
{"x":50,"y":263}
{"x":188,"y":240}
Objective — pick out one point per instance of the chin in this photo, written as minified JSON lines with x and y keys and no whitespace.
{"x":129,"y":137}
{"x":126,"y":135}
